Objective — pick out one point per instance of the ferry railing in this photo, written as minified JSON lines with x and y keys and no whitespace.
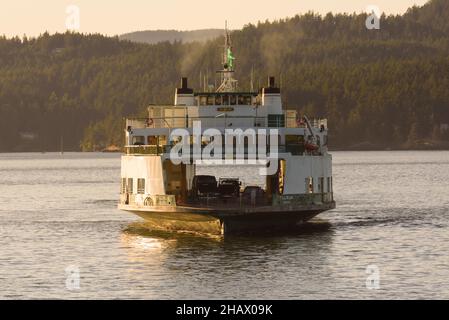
{"x":294,"y":149}
{"x":147,"y":150}
{"x":187,"y":122}
{"x":294,"y":122}
{"x":242,"y":201}
{"x":221,"y":121}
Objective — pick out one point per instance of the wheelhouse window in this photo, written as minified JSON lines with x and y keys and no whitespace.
{"x":226,"y":100}
{"x":162,"y":141}
{"x":140,"y":186}
{"x":152,"y":140}
{"x":138,"y":140}
{"x":210,"y":100}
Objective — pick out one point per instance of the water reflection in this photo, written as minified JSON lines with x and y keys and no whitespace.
{"x":182,"y":261}
{"x":140,"y":230}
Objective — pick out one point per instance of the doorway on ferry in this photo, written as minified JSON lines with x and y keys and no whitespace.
{"x":176,"y":181}
{"x":276,"y":182}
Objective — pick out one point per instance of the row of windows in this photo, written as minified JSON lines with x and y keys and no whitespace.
{"x":128,"y":186}
{"x":225,"y":100}
{"x":310,"y":185}
{"x":150,"y":140}
{"x":162,"y":140}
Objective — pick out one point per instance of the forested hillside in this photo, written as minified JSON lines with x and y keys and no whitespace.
{"x":386,"y":88}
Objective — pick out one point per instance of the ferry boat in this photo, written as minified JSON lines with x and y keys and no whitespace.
{"x":226,"y":127}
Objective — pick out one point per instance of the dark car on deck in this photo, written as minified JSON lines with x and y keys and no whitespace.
{"x":229,"y":187}
{"x":204,"y":186}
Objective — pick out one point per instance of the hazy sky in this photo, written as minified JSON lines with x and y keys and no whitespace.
{"x":33,"y":17}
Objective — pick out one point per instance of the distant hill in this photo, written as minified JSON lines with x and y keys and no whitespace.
{"x":156,"y":36}
{"x":384,"y":88}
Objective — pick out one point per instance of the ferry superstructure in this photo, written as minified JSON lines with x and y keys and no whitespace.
{"x":226,"y":127}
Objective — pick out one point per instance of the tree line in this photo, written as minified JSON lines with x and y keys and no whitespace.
{"x":385,"y":88}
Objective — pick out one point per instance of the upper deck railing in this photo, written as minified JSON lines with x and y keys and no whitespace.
{"x":294,"y":149}
{"x":223,"y":122}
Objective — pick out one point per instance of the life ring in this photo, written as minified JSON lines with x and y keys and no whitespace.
{"x":150,"y":122}
{"x":148,"y":202}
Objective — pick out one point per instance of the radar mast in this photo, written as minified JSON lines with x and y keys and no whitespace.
{"x":228,"y":83}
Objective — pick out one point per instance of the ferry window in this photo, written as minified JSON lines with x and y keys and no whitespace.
{"x":291,"y":140}
{"x":123,"y":188}
{"x":152,"y":140}
{"x":328,"y":185}
{"x":247,"y":100}
{"x":225,"y":100}
{"x":241,"y":100}
{"x":309,"y":185}
{"x":129,"y":188}
{"x":321,"y":185}
{"x":203,"y":100}
{"x":218,"y":100}
{"x":210,"y":100}
{"x":162,"y":140}
{"x":138,"y":140}
{"x":140,"y":186}
{"x":233,"y":100}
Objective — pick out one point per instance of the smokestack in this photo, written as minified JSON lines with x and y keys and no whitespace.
{"x":184,"y":87}
{"x":272,"y":89}
{"x":184,"y":83}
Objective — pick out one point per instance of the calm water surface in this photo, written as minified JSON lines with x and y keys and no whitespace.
{"x":60,"y":211}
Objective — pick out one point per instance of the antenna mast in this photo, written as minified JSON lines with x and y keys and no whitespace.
{"x":228,"y":83}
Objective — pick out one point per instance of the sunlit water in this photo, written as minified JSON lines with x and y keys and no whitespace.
{"x":60,"y":211}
